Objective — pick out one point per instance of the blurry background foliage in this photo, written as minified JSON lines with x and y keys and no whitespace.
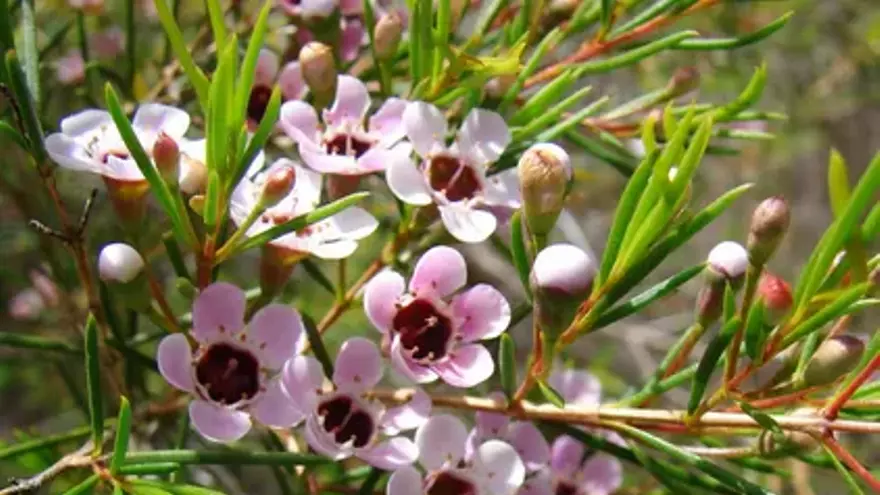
{"x":824,"y":74}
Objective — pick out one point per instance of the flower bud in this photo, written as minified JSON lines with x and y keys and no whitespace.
{"x":561,"y":279}
{"x":791,"y":441}
{"x":497,"y":87}
{"x":685,"y":80}
{"x":544,"y":175}
{"x":129,"y":201}
{"x":319,"y":71}
{"x":710,"y":303}
{"x":770,"y":221}
{"x":563,"y":7}
{"x":728,"y":260}
{"x":278,"y":185}
{"x":193,"y":178}
{"x":119,"y":263}
{"x":836,"y":357}
{"x":27,"y":305}
{"x":166,"y":155}
{"x":387,"y":34}
{"x":775,"y":293}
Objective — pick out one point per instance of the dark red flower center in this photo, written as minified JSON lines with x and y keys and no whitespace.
{"x":346,"y":421}
{"x":565,"y":488}
{"x":453,"y":178}
{"x":424,"y":331}
{"x":228,"y":373}
{"x":347,"y":145}
{"x":258,"y":102}
{"x":446,"y":483}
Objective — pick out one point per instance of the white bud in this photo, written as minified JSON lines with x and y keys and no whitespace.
{"x":564,"y":268}
{"x":729,"y":260}
{"x":119,"y":262}
{"x":544,"y":175}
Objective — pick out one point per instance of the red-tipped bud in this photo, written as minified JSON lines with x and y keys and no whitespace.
{"x":770,"y":221}
{"x":278,"y":185}
{"x":319,"y":71}
{"x":561,"y":279}
{"x":387,"y":34}
{"x":166,"y":155}
{"x":728,"y":260}
{"x":775,"y":293}
{"x":836,"y":357}
{"x":544,"y":175}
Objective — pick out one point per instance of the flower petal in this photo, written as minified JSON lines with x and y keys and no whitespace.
{"x":267,"y":68}
{"x":300,"y":121}
{"x":576,"y":387}
{"x":502,"y":189}
{"x":319,"y":161}
{"x":492,"y":425}
{"x":441,"y":440}
{"x":483,"y":136}
{"x":440,"y":271}
{"x":301,"y":378}
{"x":358,"y":365}
{"x":391,"y":454}
{"x":425,"y":126}
{"x":540,"y":483}
{"x":218,"y":424}
{"x":319,"y":440}
{"x":273,"y":333}
{"x":274,"y":408}
{"x":380,"y":298}
{"x":70,"y":154}
{"x":218,"y":309}
{"x":482,"y":313}
{"x":351,"y":103}
{"x":335,"y":250}
{"x":404,"y":481}
{"x":467,"y":224}
{"x":85,"y":122}
{"x":408,"y":416}
{"x":407,"y":182}
{"x":500,"y":466}
{"x":377,"y":159}
{"x":530,"y":444}
{"x":467,"y":366}
{"x":412,"y":371}
{"x":601,"y":475}
{"x":293,"y":86}
{"x":174,"y":357}
{"x":352,"y":223}
{"x":387,"y":122}
{"x":566,"y":455}
{"x":352,"y":38}
{"x":153,"y":118}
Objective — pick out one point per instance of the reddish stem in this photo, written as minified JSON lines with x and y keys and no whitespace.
{"x":847,"y":458}
{"x":842,"y":397}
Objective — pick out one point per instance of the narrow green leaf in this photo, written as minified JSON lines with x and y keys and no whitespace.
{"x":838,"y":183}
{"x":226,"y":457}
{"x":687,"y":167}
{"x":6,"y":32}
{"x":93,"y":381}
{"x":550,"y":40}
{"x":535,"y":106}
{"x":10,"y":133}
{"x":710,"y":361}
{"x":123,"y":431}
{"x":607,"y":14}
{"x":175,"y":38}
{"x":218,"y":23}
{"x":623,"y":164}
{"x":44,"y":442}
{"x":551,"y":394}
{"x":249,"y":65}
{"x":117,"y":489}
{"x":737,"y":42}
{"x":507,"y":364}
{"x":518,"y":252}
{"x":633,"y":56}
{"x":29,"y":53}
{"x":415,"y":50}
{"x":572,"y":120}
{"x":314,"y":272}
{"x":211,"y":212}
{"x":441,"y":37}
{"x":369,"y":484}
{"x":36,"y":342}
{"x":26,"y":104}
{"x":750,"y":95}
{"x":853,"y":485}
{"x":654,"y":10}
{"x":763,"y":419}
{"x":550,"y":115}
{"x":259,"y":139}
{"x":755,"y":330}
{"x":149,"y":468}
{"x":317,"y":344}
{"x":840,"y":306}
{"x":151,"y":487}
{"x":220,"y":103}
{"x":728,"y":308}
{"x":86,"y":486}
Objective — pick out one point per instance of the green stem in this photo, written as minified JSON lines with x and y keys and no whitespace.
{"x":240,"y":233}
{"x":84,"y":52}
{"x":226,"y":457}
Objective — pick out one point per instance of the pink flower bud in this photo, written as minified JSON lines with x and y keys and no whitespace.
{"x":166,"y":155}
{"x":770,"y":221}
{"x":387,"y":34}
{"x":775,"y":292}
{"x":119,"y":263}
{"x":836,"y":357}
{"x":278,"y":185}
{"x":544,"y":175}
{"x":561,"y":279}
{"x":728,"y":260}
{"x":319,"y":70}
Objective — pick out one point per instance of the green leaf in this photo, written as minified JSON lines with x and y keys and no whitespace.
{"x":36,"y":342}
{"x":93,"y":381}
{"x":221,"y":97}
{"x":29,"y":114}
{"x":249,"y":65}
{"x":260,"y":138}
{"x":29,"y":53}
{"x":317,"y":344}
{"x":211,"y":211}
{"x":226,"y":457}
{"x":607,"y":14}
{"x":149,"y":468}
{"x":195,"y":75}
{"x":507,"y":364}
{"x":10,"y":133}
{"x":841,"y":305}
{"x":117,"y":489}
{"x":218,"y":23}
{"x":518,"y":252}
{"x":853,"y":485}
{"x":150,"y":487}
{"x":763,"y":419}
{"x":572,"y":121}
{"x":623,"y":164}
{"x":369,"y":484}
{"x":838,"y":183}
{"x":551,"y":394}
{"x":538,"y":56}
{"x":43,"y":442}
{"x":632,"y":56}
{"x":710,"y":361}
{"x":750,"y":95}
{"x":738,"y":42}
{"x":550,"y":115}
{"x":755,"y":332}
{"x":314,"y":272}
{"x":545,"y":97}
{"x":123,"y":431}
{"x":687,"y":167}
{"x":85,"y":487}
{"x":441,"y":37}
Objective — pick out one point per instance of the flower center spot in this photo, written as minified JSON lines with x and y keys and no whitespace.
{"x":344,"y":144}
{"x":446,"y":483}
{"x":424,"y":331}
{"x":258,"y":102}
{"x":228,"y":374}
{"x":453,"y":178}
{"x":565,"y":488}
{"x":343,"y":419}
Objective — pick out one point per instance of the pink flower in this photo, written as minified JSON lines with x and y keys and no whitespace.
{"x":233,"y":372}
{"x":70,"y":69}
{"x":334,"y":238}
{"x":313,"y":8}
{"x":571,"y":471}
{"x":492,"y":468}
{"x":454,"y":177}
{"x":94,"y":7}
{"x":344,"y":422}
{"x":268,"y":72}
{"x":27,"y":305}
{"x":429,"y":336}
{"x":109,"y":43}
{"x":344,"y":145}
{"x":523,"y":436}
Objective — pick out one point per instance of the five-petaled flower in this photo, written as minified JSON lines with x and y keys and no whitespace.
{"x":268,"y":72}
{"x":492,"y":468}
{"x":233,"y":371}
{"x":523,"y":436}
{"x":344,"y":145}
{"x":343,"y":422}
{"x":430,"y":337}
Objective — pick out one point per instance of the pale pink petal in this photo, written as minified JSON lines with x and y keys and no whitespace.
{"x":440,"y":271}
{"x":174,"y":357}
{"x":483,"y":136}
{"x":267,"y":68}
{"x":467,"y":366}
{"x":380,"y":298}
{"x":481,"y":312}
{"x":351,"y":223}
{"x":351,"y":7}
{"x":412,"y":371}
{"x":274,"y":408}
{"x":566,"y":455}
{"x":154,"y":117}
{"x":218,"y":424}
{"x":601,"y":475}
{"x":492,"y":425}
{"x":70,"y":69}
{"x":317,"y":8}
{"x":351,"y":104}
{"x":576,"y":387}
{"x":425,"y":126}
{"x":123,"y":170}
{"x":529,"y":443}
{"x":218,"y":309}
{"x":320,"y":441}
{"x":335,"y":250}
{"x":502,"y":189}
{"x":387,"y":121}
{"x":407,"y":182}
{"x":85,"y":122}
{"x":300,"y":121}
{"x":391,"y":454}
{"x":404,"y":481}
{"x":273,"y":333}
{"x":408,"y":416}
{"x":466,"y":224}
{"x":291,"y":82}
{"x":319,"y":161}
{"x":500,"y":466}
{"x":441,"y":440}
{"x":358,"y":365}
{"x":540,"y":483}
{"x":301,"y":378}
{"x":376,"y":159}
{"x":70,"y":154}
{"x":352,"y":39}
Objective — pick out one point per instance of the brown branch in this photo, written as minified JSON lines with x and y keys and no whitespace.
{"x":847,"y":458}
{"x":80,"y":458}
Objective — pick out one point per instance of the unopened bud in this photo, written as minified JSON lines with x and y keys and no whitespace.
{"x":193,"y":178}
{"x":166,"y":155}
{"x":775,"y":293}
{"x":186,"y":288}
{"x":561,"y":279}
{"x":563,"y":7}
{"x":836,"y":357}
{"x":319,"y":71}
{"x":498,"y":86}
{"x":544,"y":175}
{"x":710,"y":303}
{"x":769,"y":223}
{"x":791,"y":441}
{"x":119,"y":262}
{"x":728,"y":260}
{"x":278,"y":185}
{"x":386,"y":38}
{"x":685,"y":80}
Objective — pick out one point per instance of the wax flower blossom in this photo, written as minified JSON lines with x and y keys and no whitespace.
{"x":454,"y":177}
{"x":31,"y":303}
{"x":492,"y":468}
{"x":431,"y":336}
{"x":344,"y":145}
{"x":311,"y":13}
{"x":343,"y":422}
{"x":572,"y":471}
{"x":268,"y":72}
{"x":233,"y":372}
{"x":523,"y":436}
{"x":107,"y":44}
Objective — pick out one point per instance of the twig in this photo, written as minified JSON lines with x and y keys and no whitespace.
{"x":847,"y":458}
{"x":80,"y":458}
{"x":847,"y":392}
